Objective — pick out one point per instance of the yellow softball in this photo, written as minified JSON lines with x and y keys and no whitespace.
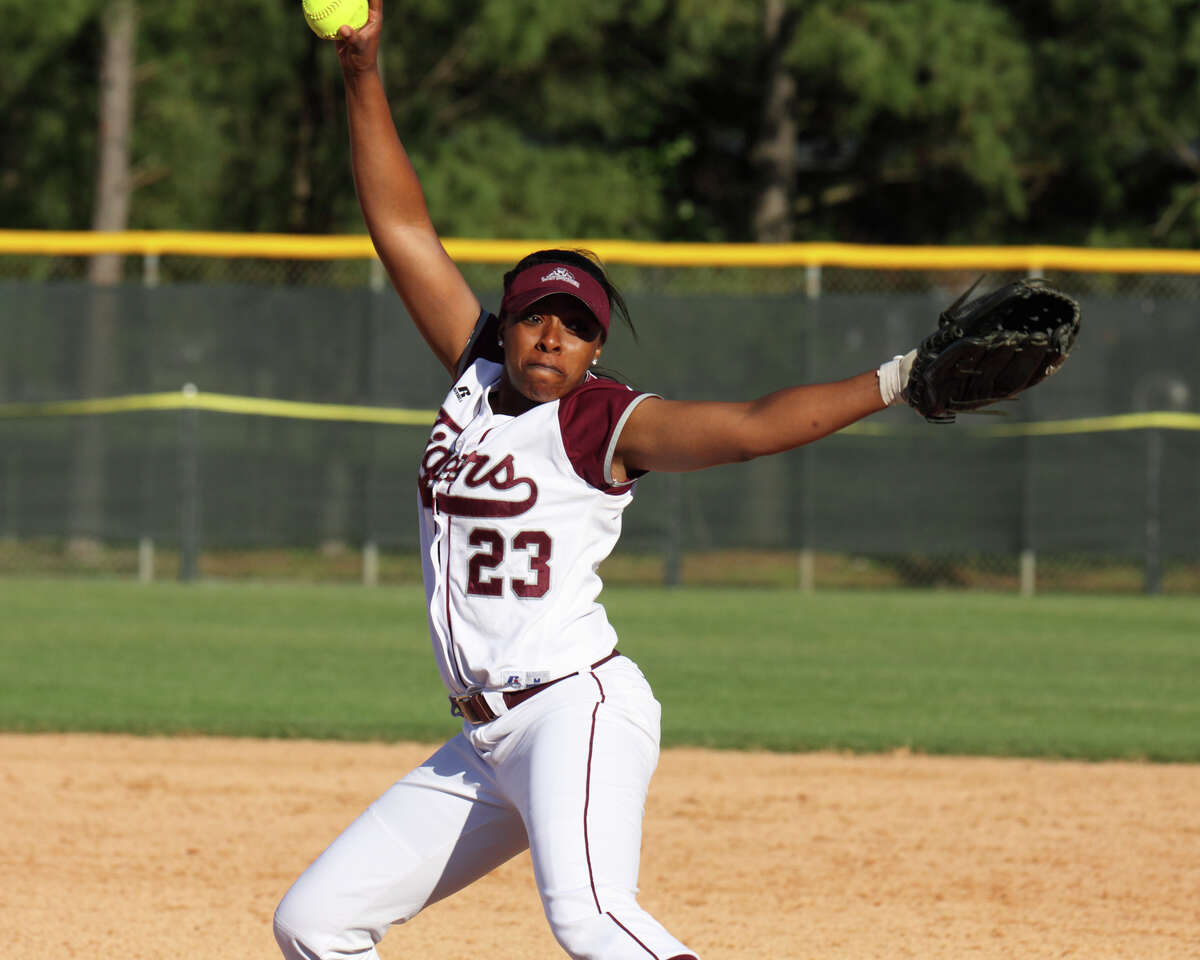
{"x":325,"y":16}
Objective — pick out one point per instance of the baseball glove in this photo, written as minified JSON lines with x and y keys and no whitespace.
{"x":991,"y":348}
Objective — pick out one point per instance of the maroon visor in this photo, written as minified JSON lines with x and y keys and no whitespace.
{"x":543,"y":279}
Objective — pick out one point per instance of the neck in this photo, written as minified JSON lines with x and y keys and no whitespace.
{"x":507,"y":400}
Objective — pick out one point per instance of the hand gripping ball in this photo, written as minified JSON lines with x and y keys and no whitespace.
{"x":325,"y":16}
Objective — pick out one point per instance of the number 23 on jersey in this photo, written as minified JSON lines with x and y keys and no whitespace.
{"x":492,"y":548}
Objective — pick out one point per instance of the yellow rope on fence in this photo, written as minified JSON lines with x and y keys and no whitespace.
{"x":1153,"y":420}
{"x":192,"y":399}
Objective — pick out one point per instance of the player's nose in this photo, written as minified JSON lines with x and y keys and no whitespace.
{"x":550,"y":339}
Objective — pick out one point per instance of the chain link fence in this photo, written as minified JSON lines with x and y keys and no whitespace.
{"x":894,"y":502}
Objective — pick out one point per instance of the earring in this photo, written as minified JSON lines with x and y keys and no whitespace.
{"x":594,"y":359}
{"x":500,"y":340}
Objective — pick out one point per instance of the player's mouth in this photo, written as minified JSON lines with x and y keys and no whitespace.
{"x":547,"y":367}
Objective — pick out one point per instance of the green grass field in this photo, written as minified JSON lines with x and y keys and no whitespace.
{"x":965,"y":673}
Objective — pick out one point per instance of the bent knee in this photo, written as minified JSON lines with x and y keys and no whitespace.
{"x":296,"y":938}
{"x":619,"y":930}
{"x":292,"y":941}
{"x":305,"y":936}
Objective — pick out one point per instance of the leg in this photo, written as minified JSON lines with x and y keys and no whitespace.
{"x":434,"y":832}
{"x":581,"y":783}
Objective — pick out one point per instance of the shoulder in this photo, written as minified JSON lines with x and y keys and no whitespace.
{"x":596,"y":397}
{"x":590,"y":419}
{"x":483,"y":344}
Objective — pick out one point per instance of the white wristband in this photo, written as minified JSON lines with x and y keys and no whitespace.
{"x":893,"y":378}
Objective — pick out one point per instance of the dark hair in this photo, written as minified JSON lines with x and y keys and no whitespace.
{"x":584,"y":260}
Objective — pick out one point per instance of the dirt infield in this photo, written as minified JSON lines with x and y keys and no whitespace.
{"x":120,"y":847}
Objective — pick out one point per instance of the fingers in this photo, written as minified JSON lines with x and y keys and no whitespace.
{"x":357,"y":49}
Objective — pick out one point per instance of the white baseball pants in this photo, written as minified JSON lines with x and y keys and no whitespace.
{"x":564,"y":773}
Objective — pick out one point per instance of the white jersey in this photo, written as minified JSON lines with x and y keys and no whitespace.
{"x":516,"y":514}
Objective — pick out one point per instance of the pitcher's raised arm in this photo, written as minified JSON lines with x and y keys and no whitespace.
{"x":433,"y":289}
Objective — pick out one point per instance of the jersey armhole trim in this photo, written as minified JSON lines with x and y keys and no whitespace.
{"x":468,"y":356}
{"x":616,"y":435}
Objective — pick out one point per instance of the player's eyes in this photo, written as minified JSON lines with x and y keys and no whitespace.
{"x":584,"y":329}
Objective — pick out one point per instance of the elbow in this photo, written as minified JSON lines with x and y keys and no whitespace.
{"x":747,"y":443}
{"x":760,"y":435}
{"x":765,"y":443}
{"x":771,"y":445}
{"x":751,"y":450}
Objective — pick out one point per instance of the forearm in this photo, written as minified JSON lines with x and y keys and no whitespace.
{"x":438,"y":299}
{"x":796,"y":416}
{"x":389,"y":192}
{"x":662,"y":435}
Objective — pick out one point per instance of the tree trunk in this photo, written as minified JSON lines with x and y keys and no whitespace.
{"x":774,"y":155}
{"x":110,"y":213}
{"x":774,"y":158}
{"x":113,"y":179}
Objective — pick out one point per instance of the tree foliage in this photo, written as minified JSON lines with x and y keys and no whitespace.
{"x":933,"y":121}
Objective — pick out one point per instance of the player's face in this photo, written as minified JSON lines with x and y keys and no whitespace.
{"x":548,"y":349}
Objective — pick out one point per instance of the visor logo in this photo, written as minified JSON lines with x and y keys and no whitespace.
{"x":563,"y":274}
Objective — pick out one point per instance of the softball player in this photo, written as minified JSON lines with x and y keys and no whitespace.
{"x":529,"y":465}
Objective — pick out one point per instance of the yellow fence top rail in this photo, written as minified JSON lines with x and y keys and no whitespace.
{"x":863,"y":256}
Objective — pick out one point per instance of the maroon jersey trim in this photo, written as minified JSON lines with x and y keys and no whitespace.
{"x":590,"y":419}
{"x":616,"y":435}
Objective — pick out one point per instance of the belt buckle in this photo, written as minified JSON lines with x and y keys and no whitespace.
{"x":473,"y":708}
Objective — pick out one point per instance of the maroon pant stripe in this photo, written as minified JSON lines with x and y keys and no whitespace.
{"x":631,"y":936}
{"x":587,"y":796}
{"x":587,"y":799}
